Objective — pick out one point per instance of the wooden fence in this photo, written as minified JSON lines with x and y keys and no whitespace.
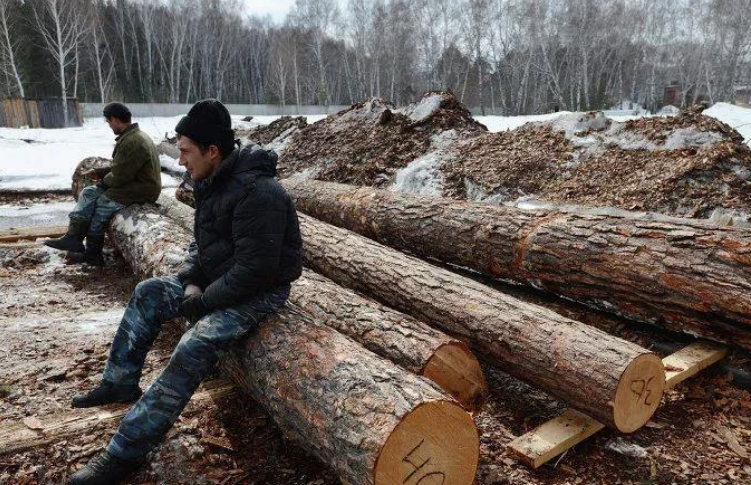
{"x":39,"y":113}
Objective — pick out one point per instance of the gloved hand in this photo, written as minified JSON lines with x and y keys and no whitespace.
{"x":193,"y":308}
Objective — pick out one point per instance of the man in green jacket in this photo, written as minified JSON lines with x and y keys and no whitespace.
{"x":135,"y":178}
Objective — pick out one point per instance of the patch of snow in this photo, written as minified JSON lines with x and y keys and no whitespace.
{"x":475,"y":192}
{"x":280,"y":143}
{"x":735,"y":116}
{"x":669,"y":110}
{"x":53,"y":214}
{"x":690,"y":137}
{"x":507,"y":123}
{"x":619,"y":445}
{"x":424,"y":108}
{"x":94,"y":322}
{"x":741,"y":171}
{"x":575,"y":123}
{"x":170,"y":164}
{"x":306,"y":174}
{"x":730,"y":217}
{"x":423,"y":175}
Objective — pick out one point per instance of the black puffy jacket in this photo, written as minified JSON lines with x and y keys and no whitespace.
{"x":247,"y":237}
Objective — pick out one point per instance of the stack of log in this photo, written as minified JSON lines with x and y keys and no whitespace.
{"x":615,"y":381}
{"x":382,"y":379}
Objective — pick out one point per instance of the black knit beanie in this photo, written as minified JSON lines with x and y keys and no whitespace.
{"x":208,"y":123}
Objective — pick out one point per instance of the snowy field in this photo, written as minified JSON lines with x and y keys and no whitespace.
{"x":44,"y":159}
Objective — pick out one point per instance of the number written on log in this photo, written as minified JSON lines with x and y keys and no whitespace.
{"x":643,"y":391}
{"x":418,"y":473}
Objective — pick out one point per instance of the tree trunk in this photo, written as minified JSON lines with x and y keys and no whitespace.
{"x":680,"y":274}
{"x":400,"y":338}
{"x":372,"y":422}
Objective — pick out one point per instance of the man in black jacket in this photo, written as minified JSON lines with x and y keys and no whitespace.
{"x":247,"y":251}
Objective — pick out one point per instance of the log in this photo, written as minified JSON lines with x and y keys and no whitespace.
{"x":615,"y":381}
{"x":169,"y":149}
{"x":393,"y":335}
{"x":681,"y":274}
{"x":371,"y":421}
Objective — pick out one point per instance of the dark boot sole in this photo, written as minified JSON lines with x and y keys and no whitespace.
{"x":91,"y":404}
{"x":65,"y":245}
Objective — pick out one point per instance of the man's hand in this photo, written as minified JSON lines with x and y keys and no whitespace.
{"x":192,"y":289}
{"x":193,"y":308}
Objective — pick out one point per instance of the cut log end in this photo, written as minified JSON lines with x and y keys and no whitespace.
{"x":436,"y":443}
{"x":639,"y":392}
{"x":456,"y":370}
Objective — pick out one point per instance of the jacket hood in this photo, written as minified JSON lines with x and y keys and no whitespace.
{"x":252,"y":158}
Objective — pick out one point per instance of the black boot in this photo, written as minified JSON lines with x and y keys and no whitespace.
{"x":107,"y":393}
{"x":104,"y":469}
{"x":73,"y":239}
{"x":93,"y":254}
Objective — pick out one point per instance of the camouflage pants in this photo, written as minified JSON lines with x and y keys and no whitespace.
{"x":153,"y":302}
{"x":95,"y":208}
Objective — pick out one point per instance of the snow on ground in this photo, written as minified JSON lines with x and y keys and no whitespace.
{"x":735,"y":116}
{"x":507,"y":123}
{"x":46,"y":214}
{"x":44,"y":159}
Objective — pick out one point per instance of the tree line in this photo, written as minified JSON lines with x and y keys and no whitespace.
{"x":505,"y":56}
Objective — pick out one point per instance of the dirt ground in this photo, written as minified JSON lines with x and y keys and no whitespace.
{"x":57,"y":320}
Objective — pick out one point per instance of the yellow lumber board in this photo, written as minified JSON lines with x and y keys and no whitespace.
{"x":19,"y":436}
{"x":552,"y":438}
{"x":690,"y":360}
{"x":21,"y":233}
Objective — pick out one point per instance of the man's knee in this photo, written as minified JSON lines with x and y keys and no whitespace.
{"x":195,"y":353}
{"x":90,"y":191}
{"x":156,"y":289}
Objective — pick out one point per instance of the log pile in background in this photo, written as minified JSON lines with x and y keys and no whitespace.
{"x":681,"y":274}
{"x":372,"y":422}
{"x":388,"y":333}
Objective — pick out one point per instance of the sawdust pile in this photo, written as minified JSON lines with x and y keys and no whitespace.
{"x":367,"y":143}
{"x":686,"y":165}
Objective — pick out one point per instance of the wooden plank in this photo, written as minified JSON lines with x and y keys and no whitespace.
{"x":690,"y":360}
{"x":554,"y":437}
{"x":572,"y":427}
{"x":23,"y":233}
{"x":18,"y":436}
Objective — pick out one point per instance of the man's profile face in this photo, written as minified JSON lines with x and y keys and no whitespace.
{"x":116,"y":125}
{"x":199,"y":165}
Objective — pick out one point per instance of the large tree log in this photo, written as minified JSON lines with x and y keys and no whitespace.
{"x":677,"y":273}
{"x":388,"y":333}
{"x":616,"y":382}
{"x":371,"y":421}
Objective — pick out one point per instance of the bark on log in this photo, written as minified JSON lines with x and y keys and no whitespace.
{"x":371,"y":421}
{"x":398,"y":337}
{"x":680,"y":274}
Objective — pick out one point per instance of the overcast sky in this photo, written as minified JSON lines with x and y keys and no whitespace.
{"x":276,"y":8}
